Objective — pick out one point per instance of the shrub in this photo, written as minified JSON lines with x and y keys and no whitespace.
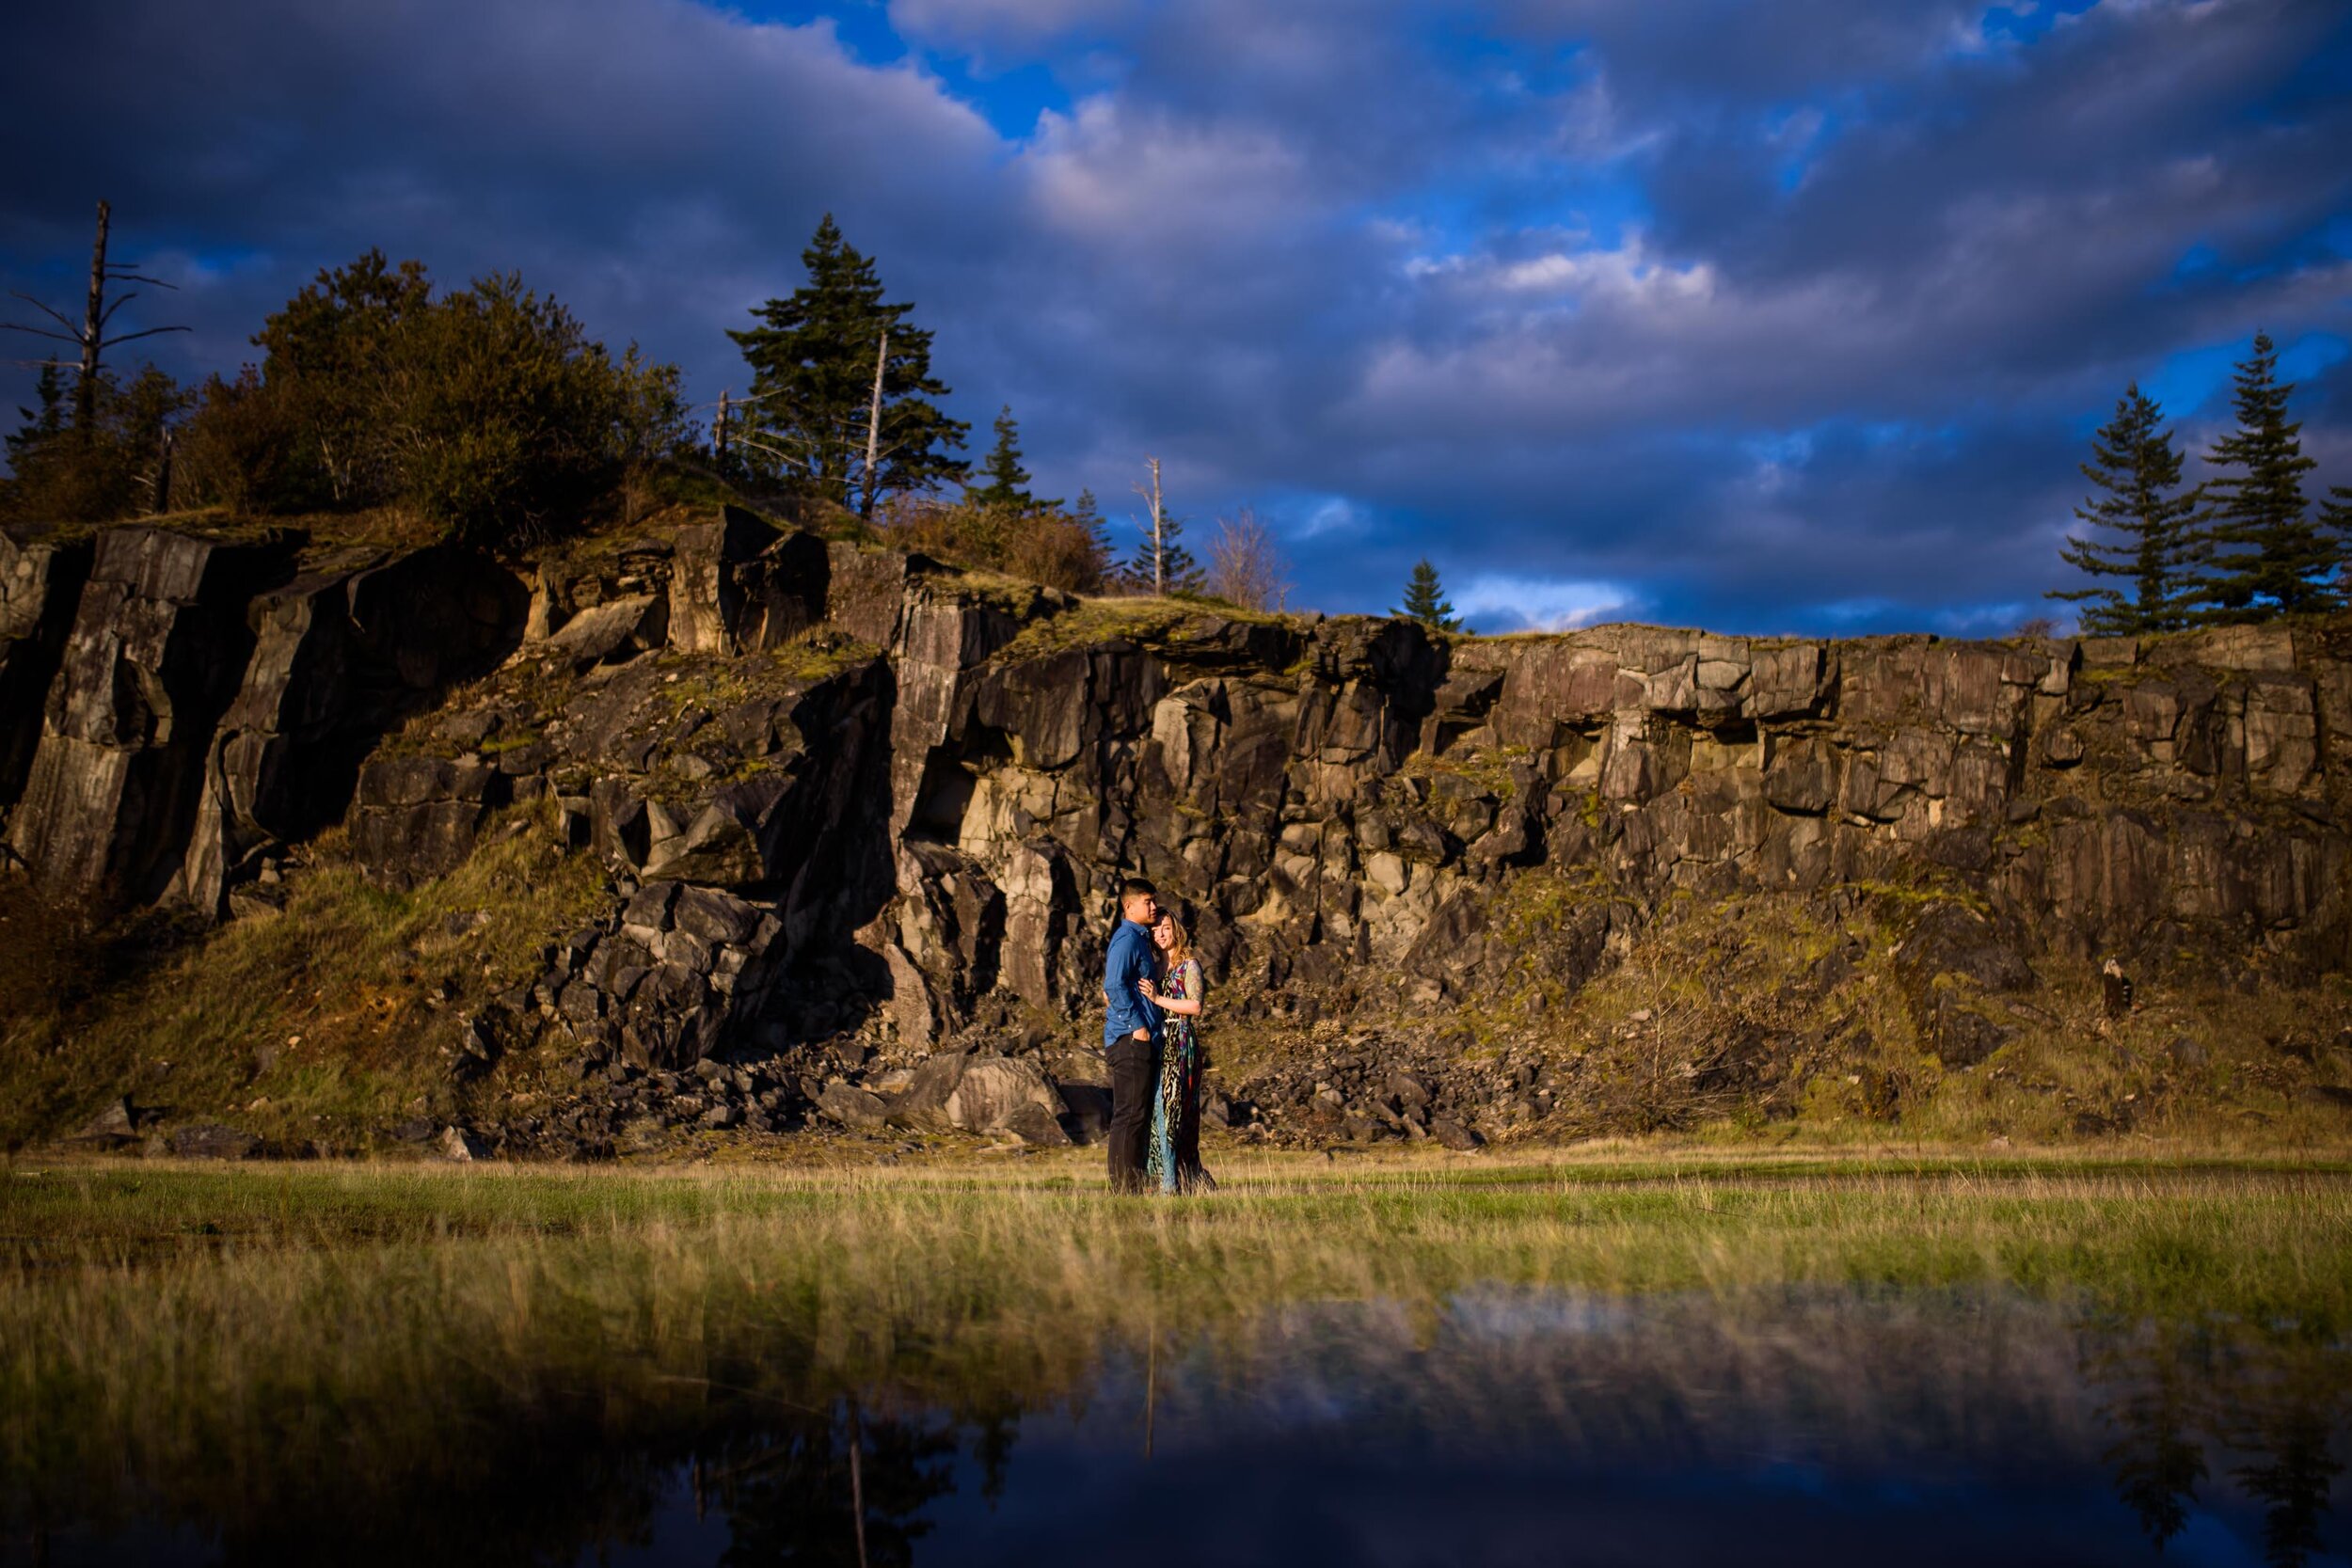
{"x":65,"y":475}
{"x":489,"y":414}
{"x":245,"y":449}
{"x":1045,"y":542}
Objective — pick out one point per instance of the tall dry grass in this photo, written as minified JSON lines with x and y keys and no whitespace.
{"x":185,"y":1322}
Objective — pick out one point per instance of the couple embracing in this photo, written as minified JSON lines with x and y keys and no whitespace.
{"x":1153,"y":986}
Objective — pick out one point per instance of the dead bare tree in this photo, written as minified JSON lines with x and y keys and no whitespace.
{"x":873,"y":429}
{"x":1159,"y":516}
{"x":89,"y":338}
{"x":1244,"y":564}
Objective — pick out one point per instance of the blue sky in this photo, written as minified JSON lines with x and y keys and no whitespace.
{"x":1786,"y":318}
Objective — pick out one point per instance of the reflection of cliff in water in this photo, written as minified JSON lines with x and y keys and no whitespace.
{"x":1478,"y":1428}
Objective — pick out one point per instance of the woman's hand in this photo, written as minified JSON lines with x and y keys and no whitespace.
{"x":1151,"y":991}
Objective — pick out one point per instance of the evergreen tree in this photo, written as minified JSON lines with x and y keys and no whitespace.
{"x":1426,"y":600}
{"x":2336,"y":514}
{"x":42,"y":424}
{"x":1178,"y":573}
{"x":813,"y":361}
{"x":2138,"y":471}
{"x":2263,"y":553}
{"x":1008,"y":480}
{"x":1088,"y":517}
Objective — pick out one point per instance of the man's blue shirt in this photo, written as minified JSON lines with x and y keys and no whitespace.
{"x":1129,"y":960}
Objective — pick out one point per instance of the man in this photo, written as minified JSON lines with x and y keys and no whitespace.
{"x":1130,"y":1032}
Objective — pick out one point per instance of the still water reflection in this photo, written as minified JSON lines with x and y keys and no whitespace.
{"x":1493,"y":1428}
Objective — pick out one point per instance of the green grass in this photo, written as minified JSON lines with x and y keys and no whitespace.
{"x":200,"y":1328}
{"x":312,"y":1023}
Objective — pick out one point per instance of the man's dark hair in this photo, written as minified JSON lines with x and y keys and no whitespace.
{"x":1135,"y":887}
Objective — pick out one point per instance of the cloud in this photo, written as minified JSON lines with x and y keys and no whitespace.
{"x":1773,"y":318}
{"x":1009,"y":23}
{"x":1501,"y":602}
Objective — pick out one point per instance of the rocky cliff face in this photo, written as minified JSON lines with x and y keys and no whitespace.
{"x":846,"y":794}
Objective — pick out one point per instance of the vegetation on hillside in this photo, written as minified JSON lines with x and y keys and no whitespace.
{"x":486,"y":415}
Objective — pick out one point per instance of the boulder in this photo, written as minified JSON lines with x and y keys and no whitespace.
{"x":990,"y":1089}
{"x":610,"y":633}
{"x":851,"y":1106}
{"x":923,"y":1103}
{"x":460,"y":1146}
{"x":1033,"y":1124}
{"x":116,"y":1125}
{"x":1455,"y":1135}
{"x":415,"y":817}
{"x":1086,"y":1110}
{"x":213,"y":1141}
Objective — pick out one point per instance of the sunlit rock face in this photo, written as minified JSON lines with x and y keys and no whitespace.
{"x":918,"y":787}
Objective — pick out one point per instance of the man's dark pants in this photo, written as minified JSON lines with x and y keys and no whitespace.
{"x":1131,"y":1111}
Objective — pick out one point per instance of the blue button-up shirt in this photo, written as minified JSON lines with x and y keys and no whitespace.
{"x":1129,"y":961}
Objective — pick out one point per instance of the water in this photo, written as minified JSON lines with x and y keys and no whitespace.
{"x":1492,"y":1428}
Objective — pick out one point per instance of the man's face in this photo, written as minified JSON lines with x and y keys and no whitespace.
{"x":1143,"y":908}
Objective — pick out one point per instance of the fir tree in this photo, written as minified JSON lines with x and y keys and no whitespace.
{"x":1008,"y":480}
{"x":2263,"y":554}
{"x":1426,"y":600}
{"x":812,"y":362}
{"x":1088,"y":517}
{"x":42,"y":425}
{"x":1178,"y":573}
{"x":2335,"y":512}
{"x":2138,"y":471}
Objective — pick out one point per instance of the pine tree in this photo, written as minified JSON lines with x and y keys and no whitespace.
{"x":1178,"y":573}
{"x":813,"y":361}
{"x":2335,"y":512}
{"x":2138,"y":471}
{"x":1088,"y":517}
{"x":2263,"y":554}
{"x":42,"y":424}
{"x":1425,"y":601}
{"x":1008,"y":480}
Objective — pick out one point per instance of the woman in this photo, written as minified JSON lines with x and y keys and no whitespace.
{"x":1174,"y":1158}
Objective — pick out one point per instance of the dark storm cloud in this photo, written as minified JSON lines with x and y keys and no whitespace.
{"x":1772,"y":317}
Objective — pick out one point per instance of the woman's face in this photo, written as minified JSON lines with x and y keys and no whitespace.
{"x":1164,"y":932}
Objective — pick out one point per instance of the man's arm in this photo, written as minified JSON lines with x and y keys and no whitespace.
{"x":1127,"y":1003}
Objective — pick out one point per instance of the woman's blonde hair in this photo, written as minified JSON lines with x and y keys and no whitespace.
{"x":1180,"y":949}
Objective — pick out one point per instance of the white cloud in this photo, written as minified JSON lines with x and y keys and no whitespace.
{"x":1540,"y":604}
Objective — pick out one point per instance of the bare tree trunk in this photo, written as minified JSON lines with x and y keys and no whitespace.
{"x":719,"y":433}
{"x":163,"y":472}
{"x":873,"y":425}
{"x":1159,"y":572}
{"x":94,"y":331}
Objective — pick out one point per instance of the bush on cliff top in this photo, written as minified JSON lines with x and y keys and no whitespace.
{"x":487,"y":415}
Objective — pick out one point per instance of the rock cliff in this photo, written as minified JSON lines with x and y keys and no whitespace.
{"x":851,"y":801}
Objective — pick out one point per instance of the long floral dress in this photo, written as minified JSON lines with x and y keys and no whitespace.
{"x":1174,"y":1158}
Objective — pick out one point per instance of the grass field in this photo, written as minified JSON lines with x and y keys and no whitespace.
{"x":189,"y":1326}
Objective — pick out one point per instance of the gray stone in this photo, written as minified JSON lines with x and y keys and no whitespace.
{"x":988,"y":1090}
{"x":1033,"y":1124}
{"x":213,"y":1141}
{"x":1454,"y":1134}
{"x":851,"y":1106}
{"x":458,"y":1144}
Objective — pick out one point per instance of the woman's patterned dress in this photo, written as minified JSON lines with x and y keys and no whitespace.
{"x":1173,"y":1160}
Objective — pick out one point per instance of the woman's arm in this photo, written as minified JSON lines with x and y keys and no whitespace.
{"x":1188,"y":1006}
